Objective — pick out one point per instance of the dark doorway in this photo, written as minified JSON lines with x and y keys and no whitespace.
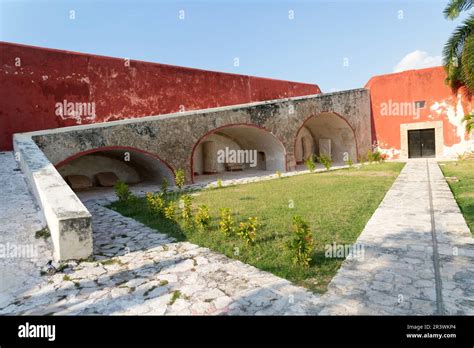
{"x":421,"y":143}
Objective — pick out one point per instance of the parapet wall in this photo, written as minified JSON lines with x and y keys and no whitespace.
{"x":68,"y":220}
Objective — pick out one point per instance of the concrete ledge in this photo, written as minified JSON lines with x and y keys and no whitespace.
{"x":68,"y":219}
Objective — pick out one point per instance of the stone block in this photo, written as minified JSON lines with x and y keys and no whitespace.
{"x":106,"y":179}
{"x":79,"y":182}
{"x":325,"y":147}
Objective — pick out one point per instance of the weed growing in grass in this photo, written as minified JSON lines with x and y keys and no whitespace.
{"x":310,"y":164}
{"x":203,"y":218}
{"x":122,"y":191}
{"x":219,"y":183}
{"x":278,"y":174}
{"x":375,"y":156}
{"x":156,"y":202}
{"x":179,"y":179}
{"x":186,"y":213}
{"x":170,"y":210}
{"x":164,"y":186}
{"x":226,"y":223}
{"x":302,"y":243}
{"x":325,"y":160}
{"x":248,"y":230}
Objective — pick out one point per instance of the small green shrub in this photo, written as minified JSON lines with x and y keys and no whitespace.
{"x":164,"y":186}
{"x":186,"y":212}
{"x":203,"y":218}
{"x":169,"y":210}
{"x":301,"y":246}
{"x":248,"y":230}
{"x":226,"y":223}
{"x":278,"y":174}
{"x":156,"y":202}
{"x":310,"y":164}
{"x":375,"y":156}
{"x":219,"y":183}
{"x":122,"y":191}
{"x":325,"y":160}
{"x":179,"y":178}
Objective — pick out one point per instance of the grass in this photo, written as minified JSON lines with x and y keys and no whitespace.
{"x":337,"y":205}
{"x":463,"y":187}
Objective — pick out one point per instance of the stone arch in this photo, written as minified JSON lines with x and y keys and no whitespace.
{"x":270,"y":151}
{"x":330,"y":133}
{"x":130,"y":164}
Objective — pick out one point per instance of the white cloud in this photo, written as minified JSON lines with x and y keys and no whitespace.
{"x":417,"y":60}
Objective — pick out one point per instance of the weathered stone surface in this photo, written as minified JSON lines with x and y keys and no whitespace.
{"x":106,"y":179}
{"x":68,"y":220}
{"x":79,"y":182}
{"x":173,"y":137}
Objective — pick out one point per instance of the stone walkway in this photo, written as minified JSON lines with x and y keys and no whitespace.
{"x":136,"y":270}
{"x":418,"y":253}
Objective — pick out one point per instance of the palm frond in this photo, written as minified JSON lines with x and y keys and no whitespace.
{"x":467,"y":64}
{"x":455,"y":7}
{"x":469,"y":122}
{"x":453,"y":57}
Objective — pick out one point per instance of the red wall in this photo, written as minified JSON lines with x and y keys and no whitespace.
{"x":410,"y":86}
{"x":29,"y":92}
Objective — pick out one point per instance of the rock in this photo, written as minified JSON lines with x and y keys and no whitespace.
{"x":79,"y":182}
{"x":106,"y":179}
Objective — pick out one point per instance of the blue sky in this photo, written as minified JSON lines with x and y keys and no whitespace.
{"x":312,"y":47}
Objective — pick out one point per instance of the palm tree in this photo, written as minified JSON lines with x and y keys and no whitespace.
{"x":458,"y":52}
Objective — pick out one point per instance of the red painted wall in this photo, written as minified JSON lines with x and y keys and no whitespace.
{"x":407,"y":87}
{"x":29,"y":92}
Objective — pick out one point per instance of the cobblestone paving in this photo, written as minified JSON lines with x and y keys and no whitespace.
{"x":21,"y":254}
{"x":139,"y":271}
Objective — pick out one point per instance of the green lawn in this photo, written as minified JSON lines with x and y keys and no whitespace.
{"x":337,"y":205}
{"x":463,"y":187}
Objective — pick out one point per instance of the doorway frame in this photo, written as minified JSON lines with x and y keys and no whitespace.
{"x":439,"y":139}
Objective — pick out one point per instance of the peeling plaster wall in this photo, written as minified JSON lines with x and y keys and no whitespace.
{"x":390,"y":96}
{"x":34,"y":79}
